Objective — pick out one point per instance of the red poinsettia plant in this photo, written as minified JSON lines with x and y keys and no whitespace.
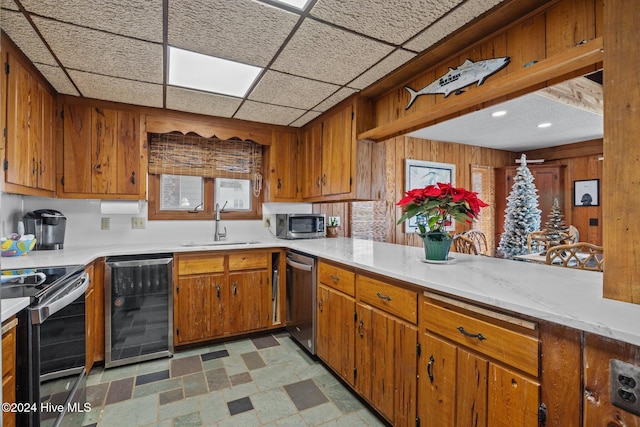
{"x":436,"y":206}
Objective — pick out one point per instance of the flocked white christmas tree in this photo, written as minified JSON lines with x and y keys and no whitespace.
{"x":522,"y":215}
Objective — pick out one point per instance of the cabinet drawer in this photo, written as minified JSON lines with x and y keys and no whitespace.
{"x":510,"y":347}
{"x":200,"y":264}
{"x":392,"y":299}
{"x":248,"y":261}
{"x":337,"y":278}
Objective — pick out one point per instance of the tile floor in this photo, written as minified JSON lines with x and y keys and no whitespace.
{"x":261,"y":381}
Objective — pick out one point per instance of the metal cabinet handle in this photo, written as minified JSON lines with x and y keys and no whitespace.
{"x":324,"y":179}
{"x":384,"y":297}
{"x":318,"y":182}
{"x":218,"y":291}
{"x":235,"y":289}
{"x":467,"y":334}
{"x":320,"y":305}
{"x":335,"y":278}
{"x":133,"y":177}
{"x":430,"y":368}
{"x":360,"y":326}
{"x":42,"y":167}
{"x":279,"y":184}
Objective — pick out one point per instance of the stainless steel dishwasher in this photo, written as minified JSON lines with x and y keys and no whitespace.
{"x":138,"y":308}
{"x":301,"y":299}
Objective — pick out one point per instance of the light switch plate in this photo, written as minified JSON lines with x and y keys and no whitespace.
{"x":137,"y":223}
{"x":105,"y":223}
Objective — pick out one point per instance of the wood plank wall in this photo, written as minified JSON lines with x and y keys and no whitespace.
{"x":533,"y":38}
{"x":402,"y":147}
{"x":583,"y":161}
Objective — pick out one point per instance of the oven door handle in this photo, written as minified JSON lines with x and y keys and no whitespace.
{"x":47,"y":308}
{"x":299,"y":265}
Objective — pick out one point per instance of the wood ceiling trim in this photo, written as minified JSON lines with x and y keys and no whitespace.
{"x":521,"y":80}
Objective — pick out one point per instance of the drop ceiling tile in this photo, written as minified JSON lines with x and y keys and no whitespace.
{"x":468,"y":11}
{"x":99,"y":52}
{"x":241,"y":30}
{"x":24,"y":36}
{"x":292,"y":91}
{"x":119,"y":90}
{"x":340,"y":95}
{"x":8,"y":4}
{"x":201,"y":102}
{"x":57,"y":78}
{"x":321,"y":52}
{"x":266,"y":113}
{"x":141,"y":19}
{"x":306,"y":118}
{"x":384,"y":67}
{"x":393,"y":21}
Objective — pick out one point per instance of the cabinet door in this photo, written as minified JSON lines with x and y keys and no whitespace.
{"x":386,"y":363}
{"x":513,"y":399}
{"x":250,"y":300}
{"x":337,"y":146}
{"x":20,"y":154}
{"x":335,"y":334}
{"x":77,"y":159}
{"x":471,"y":395}
{"x":104,"y":171}
{"x":284,"y":166}
{"x":128,"y":147}
{"x":437,"y":370}
{"x":46,"y":172}
{"x":312,"y":162}
{"x":197,"y":313}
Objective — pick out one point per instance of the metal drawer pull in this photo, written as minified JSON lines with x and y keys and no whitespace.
{"x":235,"y":289}
{"x":335,"y":278}
{"x":384,"y":297}
{"x":430,"y":367}
{"x":218,"y":291}
{"x":320,"y":305}
{"x":467,"y":334}
{"x":360,"y":326}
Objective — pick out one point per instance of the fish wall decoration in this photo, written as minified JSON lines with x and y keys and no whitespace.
{"x":460,"y":77}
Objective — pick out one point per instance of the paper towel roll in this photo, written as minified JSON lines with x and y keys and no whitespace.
{"x":120,"y":207}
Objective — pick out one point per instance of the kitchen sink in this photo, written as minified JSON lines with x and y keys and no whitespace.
{"x":221,"y":243}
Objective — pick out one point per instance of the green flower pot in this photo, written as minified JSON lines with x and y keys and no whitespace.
{"x":436,"y":246}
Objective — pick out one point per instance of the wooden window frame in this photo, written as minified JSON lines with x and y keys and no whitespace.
{"x":208,"y":211}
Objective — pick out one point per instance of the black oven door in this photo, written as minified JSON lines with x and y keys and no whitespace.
{"x":57,"y":356}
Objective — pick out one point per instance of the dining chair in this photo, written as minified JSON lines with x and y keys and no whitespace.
{"x":464,"y":245}
{"x":582,"y":255}
{"x":479,"y":239}
{"x":536,"y":242}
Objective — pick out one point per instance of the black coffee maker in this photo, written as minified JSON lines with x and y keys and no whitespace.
{"x":48,"y":226}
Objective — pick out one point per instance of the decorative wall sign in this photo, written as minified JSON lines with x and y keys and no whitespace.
{"x":460,"y":77}
{"x":586,"y":192}
{"x":419,"y":174}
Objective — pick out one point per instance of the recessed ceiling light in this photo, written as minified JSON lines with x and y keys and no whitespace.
{"x":298,"y":4}
{"x":498,"y":113}
{"x":202,"y":72}
{"x":544,"y":125}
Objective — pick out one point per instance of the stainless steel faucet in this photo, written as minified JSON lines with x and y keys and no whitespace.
{"x":217,"y":235}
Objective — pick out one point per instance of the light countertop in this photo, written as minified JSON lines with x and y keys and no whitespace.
{"x":561,"y":295}
{"x":11,"y":306}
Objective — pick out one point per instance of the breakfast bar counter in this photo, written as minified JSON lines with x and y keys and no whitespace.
{"x":564,"y":296}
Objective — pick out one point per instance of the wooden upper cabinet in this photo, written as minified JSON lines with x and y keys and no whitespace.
{"x":29,"y":163}
{"x":101,"y":153}
{"x":336,"y":167}
{"x":283,"y":167}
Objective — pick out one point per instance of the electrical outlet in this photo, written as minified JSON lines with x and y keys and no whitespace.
{"x":137,"y":223}
{"x":624,"y":380}
{"x":105,"y":223}
{"x":267,"y":222}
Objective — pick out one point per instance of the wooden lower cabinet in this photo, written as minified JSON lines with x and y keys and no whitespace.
{"x":464,"y":381}
{"x":9,"y":369}
{"x":335,"y":332}
{"x":221,"y":295}
{"x":385,"y":363}
{"x":94,"y":303}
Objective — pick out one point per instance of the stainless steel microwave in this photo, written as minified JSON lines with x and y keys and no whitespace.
{"x":300,"y":226}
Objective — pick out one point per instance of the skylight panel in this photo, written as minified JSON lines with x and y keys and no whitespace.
{"x":208,"y":73}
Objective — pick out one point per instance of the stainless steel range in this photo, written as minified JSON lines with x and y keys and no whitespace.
{"x":51,"y":344}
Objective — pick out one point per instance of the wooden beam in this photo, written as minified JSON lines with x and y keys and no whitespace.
{"x":518,"y":81}
{"x":580,"y":93}
{"x":567,"y":151}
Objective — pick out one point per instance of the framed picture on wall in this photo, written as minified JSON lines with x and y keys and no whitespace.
{"x":586,"y":192}
{"x":419,"y":174}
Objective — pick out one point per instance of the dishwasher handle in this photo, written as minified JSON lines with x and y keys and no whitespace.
{"x":57,"y":302}
{"x":299,"y":265}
